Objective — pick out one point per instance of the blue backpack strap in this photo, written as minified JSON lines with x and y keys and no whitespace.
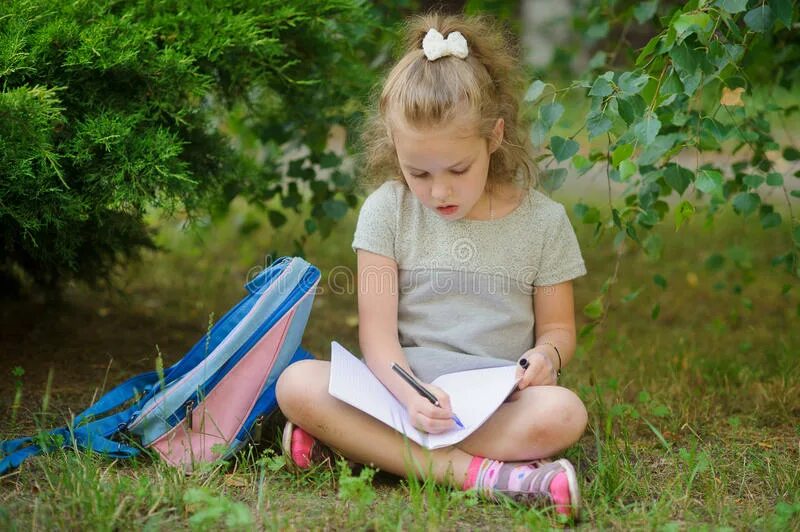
{"x":119,"y":395}
{"x":13,"y":460}
{"x":10,"y":446}
{"x":93,"y":435}
{"x":99,"y":444}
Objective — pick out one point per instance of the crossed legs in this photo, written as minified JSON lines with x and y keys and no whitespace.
{"x":536,"y":422}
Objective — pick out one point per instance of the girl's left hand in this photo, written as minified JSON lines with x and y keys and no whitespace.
{"x":540,"y":370}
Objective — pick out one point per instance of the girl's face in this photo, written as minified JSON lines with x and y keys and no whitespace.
{"x":446,"y":167}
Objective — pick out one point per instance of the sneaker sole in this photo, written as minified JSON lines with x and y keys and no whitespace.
{"x":286,"y":443}
{"x":572,"y":482}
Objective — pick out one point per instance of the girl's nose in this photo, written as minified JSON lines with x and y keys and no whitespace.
{"x":440,"y":190}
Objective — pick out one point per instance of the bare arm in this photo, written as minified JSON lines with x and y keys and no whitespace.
{"x":554,"y":311}
{"x":377,"y":321}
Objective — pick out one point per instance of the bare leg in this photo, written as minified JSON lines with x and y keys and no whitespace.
{"x":302,"y":392}
{"x":536,"y":422}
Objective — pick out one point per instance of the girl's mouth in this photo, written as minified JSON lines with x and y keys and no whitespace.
{"x":449,"y":209}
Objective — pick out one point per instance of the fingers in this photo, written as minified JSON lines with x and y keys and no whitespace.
{"x":430,"y":418}
{"x":433,"y":425}
{"x":444,"y":399}
{"x":540,"y":372}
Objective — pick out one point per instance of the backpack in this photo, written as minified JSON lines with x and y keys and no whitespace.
{"x":214,"y":399}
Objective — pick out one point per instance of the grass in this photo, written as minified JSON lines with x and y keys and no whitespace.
{"x":693,"y":408}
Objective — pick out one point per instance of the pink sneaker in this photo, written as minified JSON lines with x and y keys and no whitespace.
{"x":535,"y":482}
{"x":303,"y":450}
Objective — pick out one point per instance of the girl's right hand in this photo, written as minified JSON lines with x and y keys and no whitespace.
{"x":426,"y":416}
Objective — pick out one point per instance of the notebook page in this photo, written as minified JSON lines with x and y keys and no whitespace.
{"x":354,"y":383}
{"x":474,"y":395}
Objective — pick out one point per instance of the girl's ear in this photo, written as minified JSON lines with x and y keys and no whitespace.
{"x":497,"y":135}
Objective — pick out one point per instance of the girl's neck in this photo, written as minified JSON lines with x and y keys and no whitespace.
{"x":497,"y":202}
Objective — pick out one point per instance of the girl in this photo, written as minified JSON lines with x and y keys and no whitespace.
{"x":456,"y":254}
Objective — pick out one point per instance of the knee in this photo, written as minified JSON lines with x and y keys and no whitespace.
{"x":564,"y":420}
{"x":297,"y":386}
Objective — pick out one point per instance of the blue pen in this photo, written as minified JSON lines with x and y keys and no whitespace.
{"x":424,"y":392}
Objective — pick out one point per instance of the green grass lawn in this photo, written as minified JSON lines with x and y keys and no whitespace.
{"x":692,"y":385}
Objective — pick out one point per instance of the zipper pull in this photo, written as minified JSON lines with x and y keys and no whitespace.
{"x":189,"y":408}
{"x":257,"y":433}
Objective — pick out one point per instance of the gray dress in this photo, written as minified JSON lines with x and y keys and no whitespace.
{"x":466,"y":287}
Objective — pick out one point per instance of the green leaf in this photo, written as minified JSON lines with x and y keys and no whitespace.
{"x":709,"y":181}
{"x":783,"y":11}
{"x":671,"y":85}
{"x":683,"y":58}
{"x":598,"y":124}
{"x":310,"y":225}
{"x":586,"y":214}
{"x":626,"y":111}
{"x":597,"y":31}
{"x":716,"y":129}
{"x":329,"y":160}
{"x":697,"y":23}
{"x":581,"y":163}
{"x":276,"y":218}
{"x":621,"y":153}
{"x":714,"y":262}
{"x":539,"y":131}
{"x":683,"y":212}
{"x":626,"y":169}
{"x":554,"y":179}
{"x":563,"y":148}
{"x":550,"y":113}
{"x":796,"y":235}
{"x":594,"y":309}
{"x":601,"y":87}
{"x":648,"y":49}
{"x":656,"y":311}
{"x":731,"y":6}
{"x":630,"y":83}
{"x":645,"y":11}
{"x":660,"y":281}
{"x":661,"y":145}
{"x":770,"y":219}
{"x":677,"y":177}
{"x":633,"y":295}
{"x":795,"y":193}
{"x":774,"y":179}
{"x":746,"y":202}
{"x":752,"y":180}
{"x":534,"y":91}
{"x":791,"y":154}
{"x":647,"y":129}
{"x":759,"y":19}
{"x":597,"y":60}
{"x":334,"y":208}
{"x":654,"y":245}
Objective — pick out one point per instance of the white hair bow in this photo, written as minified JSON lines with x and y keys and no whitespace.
{"x":435,"y":45}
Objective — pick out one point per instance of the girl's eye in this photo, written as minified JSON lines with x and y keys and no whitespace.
{"x":423,"y":174}
{"x":464,"y":171}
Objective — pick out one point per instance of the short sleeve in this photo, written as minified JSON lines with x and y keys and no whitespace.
{"x":377,"y":223}
{"x":561,"y":255}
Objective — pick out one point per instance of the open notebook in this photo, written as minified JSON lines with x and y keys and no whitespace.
{"x":474,"y":396}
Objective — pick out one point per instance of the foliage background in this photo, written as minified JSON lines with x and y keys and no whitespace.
{"x":113,"y":107}
{"x":691,"y":383}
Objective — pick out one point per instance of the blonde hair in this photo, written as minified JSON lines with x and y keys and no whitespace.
{"x":428,"y":93}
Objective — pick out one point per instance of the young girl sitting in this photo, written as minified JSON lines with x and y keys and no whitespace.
{"x":457,"y":252}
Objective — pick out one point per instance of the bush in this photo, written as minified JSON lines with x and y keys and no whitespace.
{"x":111,"y":107}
